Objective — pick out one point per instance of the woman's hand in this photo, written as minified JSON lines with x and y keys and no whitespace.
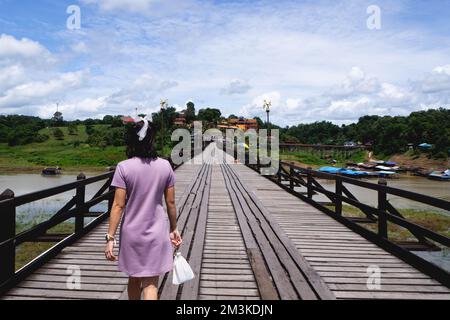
{"x":109,"y":254}
{"x":176,"y":238}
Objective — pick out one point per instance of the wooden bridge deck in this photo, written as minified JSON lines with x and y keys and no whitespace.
{"x":250,"y":240}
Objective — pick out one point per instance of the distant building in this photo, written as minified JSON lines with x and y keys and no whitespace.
{"x":243,"y":123}
{"x":181,"y":119}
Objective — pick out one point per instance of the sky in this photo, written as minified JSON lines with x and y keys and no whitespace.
{"x":314,"y":60}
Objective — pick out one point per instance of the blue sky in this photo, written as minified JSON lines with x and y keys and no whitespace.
{"x":315,"y":60}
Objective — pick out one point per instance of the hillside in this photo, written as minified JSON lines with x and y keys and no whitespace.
{"x":422,"y":161}
{"x":71,"y":153}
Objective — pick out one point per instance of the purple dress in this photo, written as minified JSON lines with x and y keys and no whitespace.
{"x":145,"y":247}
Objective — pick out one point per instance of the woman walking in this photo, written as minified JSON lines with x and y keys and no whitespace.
{"x":147,"y":233}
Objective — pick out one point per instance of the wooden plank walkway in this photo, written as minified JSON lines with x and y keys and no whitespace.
{"x":226,"y":272}
{"x":245,"y":238}
{"x":340,"y":256}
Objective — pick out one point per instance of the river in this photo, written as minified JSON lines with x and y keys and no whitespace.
{"x":421,"y":185}
{"x":40,"y":210}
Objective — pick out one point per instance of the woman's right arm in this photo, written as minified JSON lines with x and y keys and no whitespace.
{"x":169,"y":195}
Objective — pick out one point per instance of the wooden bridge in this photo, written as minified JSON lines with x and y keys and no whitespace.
{"x":245,"y":235}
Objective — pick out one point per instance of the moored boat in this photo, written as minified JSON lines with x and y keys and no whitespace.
{"x":344,"y":172}
{"x":51,"y":171}
{"x":440,"y":175}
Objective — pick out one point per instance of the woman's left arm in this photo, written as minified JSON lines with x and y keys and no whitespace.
{"x":114,"y":220}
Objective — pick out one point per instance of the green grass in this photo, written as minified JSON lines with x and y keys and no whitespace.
{"x":434,"y":221}
{"x":61,"y":153}
{"x":70,"y":153}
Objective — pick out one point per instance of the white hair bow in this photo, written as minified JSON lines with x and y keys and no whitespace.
{"x":143,"y":132}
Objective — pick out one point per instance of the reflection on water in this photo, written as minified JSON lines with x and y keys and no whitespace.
{"x":41,"y":210}
{"x":436,"y":189}
{"x":440,"y":258}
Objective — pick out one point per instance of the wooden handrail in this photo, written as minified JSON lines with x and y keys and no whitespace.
{"x":383,"y":213}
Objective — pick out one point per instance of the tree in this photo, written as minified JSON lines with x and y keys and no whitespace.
{"x":190,"y":112}
{"x":89,"y":129}
{"x":209,"y":115}
{"x":58,"y":134}
{"x":73,"y":129}
{"x":232,"y":116}
{"x":57,"y":118}
{"x":261,"y":124}
{"x":108,"y":119}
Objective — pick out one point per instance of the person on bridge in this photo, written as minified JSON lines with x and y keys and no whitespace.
{"x":147,"y":234}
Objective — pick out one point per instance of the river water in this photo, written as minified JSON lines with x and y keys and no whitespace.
{"x":421,"y":185}
{"x":40,"y":210}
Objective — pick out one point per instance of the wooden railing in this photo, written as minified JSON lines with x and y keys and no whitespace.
{"x":78,"y":208}
{"x":303,"y":183}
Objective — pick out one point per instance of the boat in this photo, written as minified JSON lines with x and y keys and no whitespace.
{"x":440,"y":175}
{"x":384,"y":173}
{"x":369,"y":165}
{"x":390,"y":163}
{"x":344,"y":172}
{"x":51,"y":171}
{"x":383,"y":168}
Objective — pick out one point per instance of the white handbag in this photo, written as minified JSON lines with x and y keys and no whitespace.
{"x":182,"y":271}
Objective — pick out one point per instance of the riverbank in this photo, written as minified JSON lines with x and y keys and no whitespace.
{"x":406,"y":160}
{"x":435,"y":221}
{"x":314,"y":160}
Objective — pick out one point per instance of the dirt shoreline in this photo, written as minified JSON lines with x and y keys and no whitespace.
{"x":38,"y":169}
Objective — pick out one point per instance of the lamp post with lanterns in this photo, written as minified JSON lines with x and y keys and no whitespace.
{"x":163,"y":104}
{"x":266,"y":106}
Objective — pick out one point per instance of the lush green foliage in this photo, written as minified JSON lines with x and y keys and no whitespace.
{"x":387,"y":135}
{"x":20,"y":130}
{"x":209,"y":115}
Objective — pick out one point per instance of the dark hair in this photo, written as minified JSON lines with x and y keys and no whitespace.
{"x":141,"y":149}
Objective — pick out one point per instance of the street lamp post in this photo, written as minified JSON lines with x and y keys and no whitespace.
{"x":266,"y":106}
{"x":163,"y":104}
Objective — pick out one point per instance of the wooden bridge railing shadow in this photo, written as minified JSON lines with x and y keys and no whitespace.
{"x":291,"y":177}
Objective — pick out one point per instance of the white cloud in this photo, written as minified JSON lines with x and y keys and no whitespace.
{"x":357,"y":95}
{"x":236,"y":87}
{"x":142,"y":89}
{"x":436,"y":81}
{"x":31,"y":93}
{"x":126,"y":5}
{"x":12,"y":48}
{"x":314,"y":60}
{"x":11,"y":76}
{"x":80,"y":47}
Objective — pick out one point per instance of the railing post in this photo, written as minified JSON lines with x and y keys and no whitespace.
{"x":7,"y":232}
{"x":80,"y":195}
{"x":279,"y":172}
{"x":338,"y":201}
{"x":309,"y":182}
{"x":111,"y":198}
{"x":291,"y":176}
{"x":382,"y":199}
